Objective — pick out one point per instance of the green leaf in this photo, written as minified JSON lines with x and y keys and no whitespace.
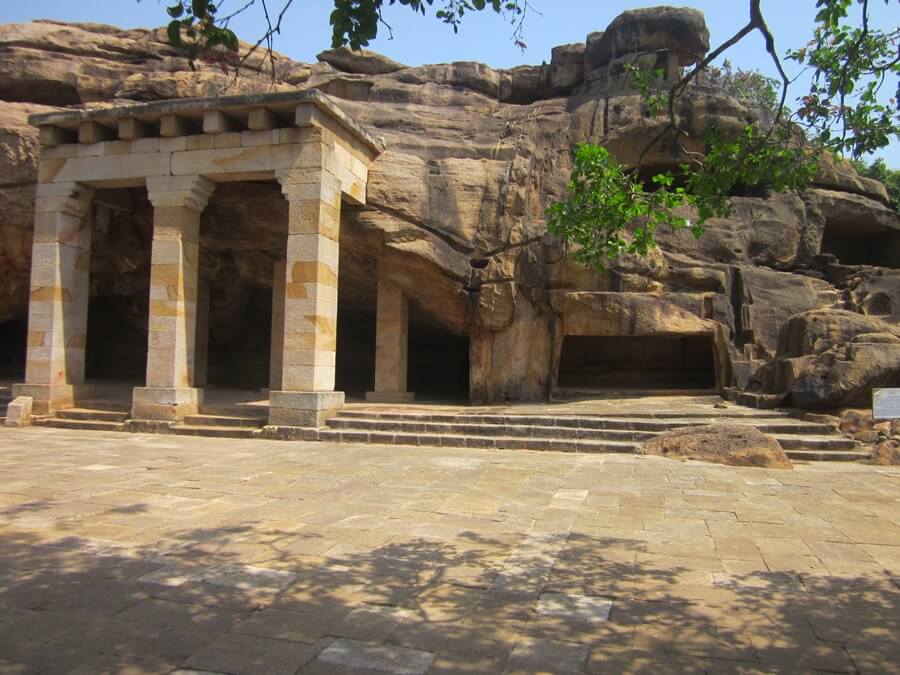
{"x":175,"y":11}
{"x":173,"y":30}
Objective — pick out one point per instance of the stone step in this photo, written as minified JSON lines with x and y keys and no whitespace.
{"x":91,"y":415}
{"x":103,"y":404}
{"x":223,"y":421}
{"x":645,"y":428}
{"x":213,"y":431}
{"x":84,"y":425}
{"x":623,"y":420}
{"x":817,"y":443}
{"x":477,"y":429}
{"x":459,"y":441}
{"x":828,"y":455}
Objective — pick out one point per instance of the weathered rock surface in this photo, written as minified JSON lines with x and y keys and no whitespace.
{"x":474,"y":157}
{"x":363,"y":61}
{"x":886,"y":453}
{"x":731,"y":444}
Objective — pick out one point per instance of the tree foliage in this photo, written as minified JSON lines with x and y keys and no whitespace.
{"x":841,"y":114}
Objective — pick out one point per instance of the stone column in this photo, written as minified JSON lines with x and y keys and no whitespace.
{"x":391,"y":340}
{"x":60,"y":290}
{"x":276,"y":352}
{"x":170,"y":393}
{"x":307,"y":395}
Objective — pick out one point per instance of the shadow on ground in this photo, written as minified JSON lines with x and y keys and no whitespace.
{"x":249,"y":598}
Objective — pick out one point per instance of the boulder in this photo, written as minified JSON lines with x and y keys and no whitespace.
{"x":845,"y":375}
{"x":361,"y":61}
{"x":731,"y":444}
{"x":671,"y":29}
{"x":566,"y":69}
{"x":839,"y":174}
{"x":886,"y":453}
{"x":818,"y":330}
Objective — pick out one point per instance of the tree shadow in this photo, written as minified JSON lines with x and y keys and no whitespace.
{"x":252,"y":597}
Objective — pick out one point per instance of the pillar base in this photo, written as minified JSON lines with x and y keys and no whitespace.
{"x":390,"y":396}
{"x":47,"y":398}
{"x":167,"y":404}
{"x":303,"y":408}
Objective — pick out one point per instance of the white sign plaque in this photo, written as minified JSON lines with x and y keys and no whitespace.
{"x":886,"y":404}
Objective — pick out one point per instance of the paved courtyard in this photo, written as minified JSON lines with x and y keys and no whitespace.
{"x":126,"y":553}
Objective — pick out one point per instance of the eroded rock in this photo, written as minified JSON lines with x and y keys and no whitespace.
{"x":731,"y":444}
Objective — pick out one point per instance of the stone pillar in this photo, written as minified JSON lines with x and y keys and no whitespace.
{"x":60,"y":290}
{"x":201,"y":350}
{"x":170,"y":393}
{"x":276,"y":352}
{"x":307,"y":395}
{"x":391,"y":340}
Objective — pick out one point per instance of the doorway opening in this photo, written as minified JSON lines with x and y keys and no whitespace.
{"x":243,"y":232}
{"x":438,"y":367}
{"x":13,"y":339}
{"x":646,"y":362}
{"x":855,"y":242}
{"x":118,"y":308}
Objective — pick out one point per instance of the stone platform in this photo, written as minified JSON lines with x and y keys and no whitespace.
{"x":140,"y":554}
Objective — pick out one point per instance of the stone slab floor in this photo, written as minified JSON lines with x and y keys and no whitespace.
{"x":127,"y":553}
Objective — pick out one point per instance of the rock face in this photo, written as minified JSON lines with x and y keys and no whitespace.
{"x":731,"y":444}
{"x":796,"y":296}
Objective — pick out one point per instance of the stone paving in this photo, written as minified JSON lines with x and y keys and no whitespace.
{"x":126,"y":553}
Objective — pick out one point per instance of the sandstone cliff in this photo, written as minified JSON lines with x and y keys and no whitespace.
{"x":455,"y":212}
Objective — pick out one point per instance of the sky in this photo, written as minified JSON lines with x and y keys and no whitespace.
{"x":484,"y":37}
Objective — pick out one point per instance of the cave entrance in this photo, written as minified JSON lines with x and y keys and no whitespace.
{"x":861,"y":242}
{"x":13,"y":338}
{"x":438,"y":360}
{"x":355,"y":358}
{"x":645,"y":363}
{"x":354,"y":371}
{"x":243,"y":238}
{"x":118,"y":306}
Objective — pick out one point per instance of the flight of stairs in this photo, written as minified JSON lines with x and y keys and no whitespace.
{"x":622,"y":432}
{"x":105,"y":417}
{"x":614,"y":432}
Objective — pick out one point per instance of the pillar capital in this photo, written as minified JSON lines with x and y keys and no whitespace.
{"x":191,"y":192}
{"x":70,"y":199}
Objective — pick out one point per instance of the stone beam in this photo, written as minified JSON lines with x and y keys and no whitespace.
{"x":51,"y":136}
{"x":170,"y":393}
{"x":92,"y":132}
{"x":173,"y":125}
{"x":217,"y":122}
{"x":261,"y":119}
{"x":131,"y":128}
{"x":60,"y":288}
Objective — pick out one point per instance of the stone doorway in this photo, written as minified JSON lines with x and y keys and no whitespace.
{"x":243,"y":235}
{"x":438,"y":360}
{"x":13,"y":339}
{"x":855,"y":242}
{"x":118,"y":306}
{"x":637,"y":363}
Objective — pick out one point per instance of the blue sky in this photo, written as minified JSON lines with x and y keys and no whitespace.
{"x":485,"y":37}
